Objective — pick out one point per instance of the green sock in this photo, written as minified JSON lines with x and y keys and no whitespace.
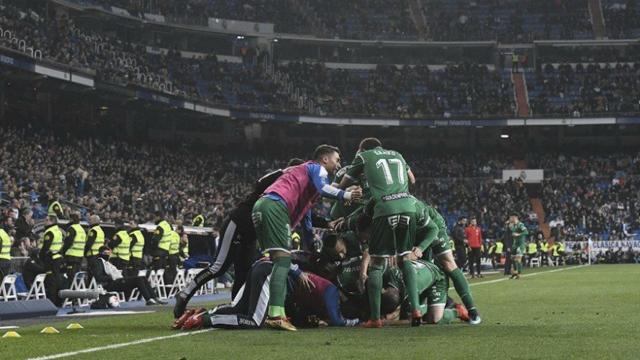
{"x":448,"y":316}
{"x":278,"y":285}
{"x":409,"y":275}
{"x":519,"y":267}
{"x":462,"y":288}
{"x":374,"y":290}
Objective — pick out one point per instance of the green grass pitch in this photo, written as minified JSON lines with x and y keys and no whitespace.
{"x":582,"y":313}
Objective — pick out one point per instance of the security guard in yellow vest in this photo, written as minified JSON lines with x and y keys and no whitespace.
{"x":5,"y":253}
{"x":50,"y":247}
{"x":561,"y":251}
{"x":497,"y":253}
{"x":55,"y":209}
{"x":121,"y":245}
{"x":198,"y":221}
{"x":162,"y":241}
{"x":137,"y":249}
{"x":73,"y":248}
{"x":532,"y":251}
{"x":95,"y":239}
{"x":544,"y":251}
{"x":174,"y":255}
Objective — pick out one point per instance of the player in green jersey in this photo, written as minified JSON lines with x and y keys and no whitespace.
{"x":427,"y":218}
{"x":519,"y":234}
{"x":393,"y":224}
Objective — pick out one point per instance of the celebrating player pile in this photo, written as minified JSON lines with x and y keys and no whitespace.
{"x":376,"y":224}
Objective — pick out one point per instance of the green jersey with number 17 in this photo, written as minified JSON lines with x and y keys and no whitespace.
{"x":386,"y":172}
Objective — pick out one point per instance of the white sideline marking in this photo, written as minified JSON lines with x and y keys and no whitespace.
{"x":526,"y":275}
{"x":144,"y":341}
{"x":9,"y":327}
{"x":121,"y":345}
{"x":110,"y":313}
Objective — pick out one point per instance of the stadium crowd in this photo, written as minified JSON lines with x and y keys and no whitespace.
{"x":406,"y":92}
{"x":584,"y":90}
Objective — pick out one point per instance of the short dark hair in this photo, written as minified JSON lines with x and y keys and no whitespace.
{"x":389,"y":300}
{"x":294,"y":162}
{"x":323,"y":150}
{"x":369,"y":143}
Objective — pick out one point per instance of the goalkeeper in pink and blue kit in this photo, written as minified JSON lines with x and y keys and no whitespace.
{"x":284,"y":205}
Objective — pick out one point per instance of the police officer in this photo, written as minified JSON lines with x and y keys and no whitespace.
{"x":73,"y":247}
{"x":95,"y":240}
{"x":161,"y":237}
{"x":137,"y":247}
{"x":5,"y":251}
{"x":121,"y":245}
{"x":198,"y":221}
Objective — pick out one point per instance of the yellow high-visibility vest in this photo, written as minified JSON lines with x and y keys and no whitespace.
{"x":165,"y":242}
{"x":136,"y":250}
{"x":122,"y":251}
{"x":5,"y":250}
{"x":55,"y":209}
{"x":56,"y":242}
{"x":99,"y":241}
{"x":174,"y":249}
{"x":77,"y":248}
{"x":198,"y":221}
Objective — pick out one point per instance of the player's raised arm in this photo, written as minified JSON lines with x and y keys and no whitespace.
{"x":320,"y":178}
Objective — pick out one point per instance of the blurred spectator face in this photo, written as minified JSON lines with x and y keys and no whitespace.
{"x":474,"y":222}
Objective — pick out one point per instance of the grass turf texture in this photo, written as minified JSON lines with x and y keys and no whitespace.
{"x":586,"y":312}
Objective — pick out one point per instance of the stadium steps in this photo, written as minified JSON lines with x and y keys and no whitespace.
{"x":521,"y":94}
{"x":536,"y":203}
{"x":418,"y":18}
{"x":597,"y":19}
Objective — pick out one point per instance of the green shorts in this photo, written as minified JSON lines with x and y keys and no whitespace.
{"x":441,"y":245}
{"x":392,"y":234}
{"x":438,"y":292}
{"x":517,"y":251}
{"x":271,"y":221}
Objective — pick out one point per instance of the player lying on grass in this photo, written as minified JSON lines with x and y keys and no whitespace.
{"x":237,"y":244}
{"x":424,"y":244}
{"x":311,"y":295}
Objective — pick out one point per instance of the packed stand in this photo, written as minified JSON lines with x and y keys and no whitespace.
{"x":595,"y":195}
{"x":584,"y":90}
{"x":507,"y":21}
{"x":622,"y":18}
{"x":408,"y":92}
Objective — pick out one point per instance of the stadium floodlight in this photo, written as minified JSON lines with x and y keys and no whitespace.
{"x":504,"y":136}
